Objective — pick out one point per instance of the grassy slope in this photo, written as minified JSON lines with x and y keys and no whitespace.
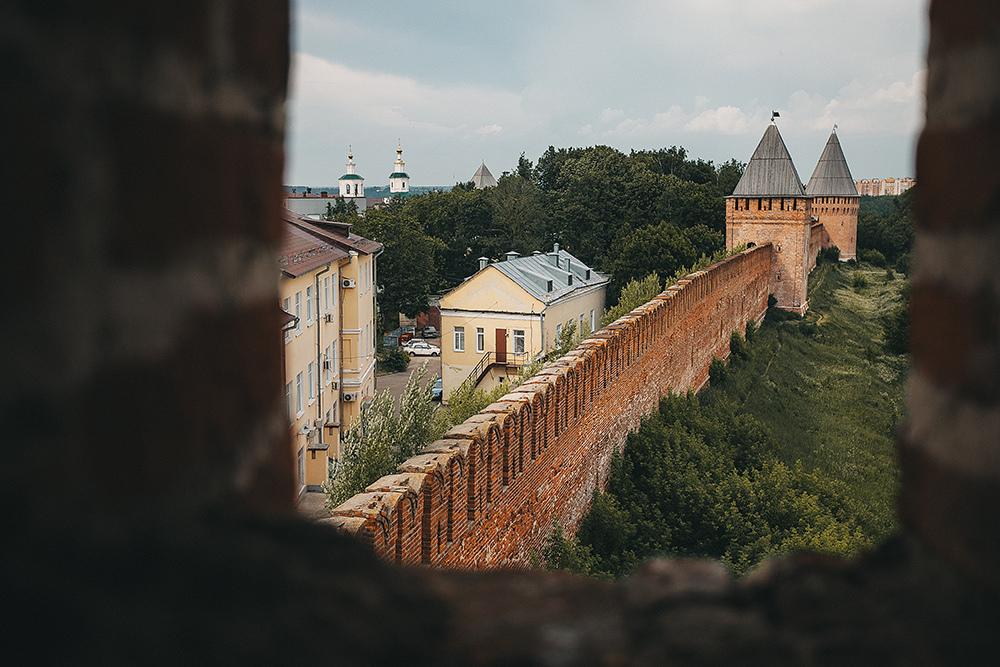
{"x":829,"y":394}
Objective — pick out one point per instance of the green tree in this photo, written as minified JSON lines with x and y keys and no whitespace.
{"x":633,"y":295}
{"x":379,"y":439}
{"x":406,"y":271}
{"x":341,"y":210}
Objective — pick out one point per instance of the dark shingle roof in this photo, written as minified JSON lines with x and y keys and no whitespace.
{"x":770,"y":172}
{"x":832,"y":176}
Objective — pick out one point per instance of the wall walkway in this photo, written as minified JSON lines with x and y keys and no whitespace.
{"x":485,"y":495}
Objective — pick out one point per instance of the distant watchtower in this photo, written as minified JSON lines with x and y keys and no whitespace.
{"x":769,"y":205}
{"x":835,"y":198}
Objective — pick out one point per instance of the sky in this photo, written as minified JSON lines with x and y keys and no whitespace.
{"x":459,"y":83}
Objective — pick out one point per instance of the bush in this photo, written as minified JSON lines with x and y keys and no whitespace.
{"x":859,"y":281}
{"x":717,"y":371}
{"x":392,"y":360}
{"x":831,"y":254}
{"x":889,"y":275}
{"x":738,"y":348}
{"x":873,"y":257}
{"x":903,"y":264}
{"x":751,"y":333}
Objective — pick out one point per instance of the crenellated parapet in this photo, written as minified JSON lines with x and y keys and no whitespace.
{"x":485,"y":495}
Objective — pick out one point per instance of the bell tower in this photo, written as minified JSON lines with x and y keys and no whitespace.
{"x":769,"y":205}
{"x":351,"y":184}
{"x":399,"y":180}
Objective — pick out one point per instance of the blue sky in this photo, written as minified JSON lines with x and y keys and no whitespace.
{"x":461,"y":82}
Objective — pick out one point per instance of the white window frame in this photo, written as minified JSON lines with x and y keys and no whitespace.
{"x":286,"y":305}
{"x":311,"y":374}
{"x":289,"y":404}
{"x":326,"y":295}
{"x":518,"y":338}
{"x":309,"y":306}
{"x":327,"y":372}
{"x":593,"y":324}
{"x":458,"y":339}
{"x":298,"y":313}
{"x":299,"y":405}
{"x":480,"y":340}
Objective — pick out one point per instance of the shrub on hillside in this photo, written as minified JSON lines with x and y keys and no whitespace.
{"x":717,"y":371}
{"x":873,"y":257}
{"x":831,"y":254}
{"x":859,"y":281}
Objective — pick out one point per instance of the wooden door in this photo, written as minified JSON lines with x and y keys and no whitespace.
{"x":501,"y":346}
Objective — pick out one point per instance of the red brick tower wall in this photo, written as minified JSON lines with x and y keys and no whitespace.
{"x":786,"y":224}
{"x":839,"y":216}
{"x":485,"y":496}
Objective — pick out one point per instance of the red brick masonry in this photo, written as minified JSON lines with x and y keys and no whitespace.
{"x":485,"y":495}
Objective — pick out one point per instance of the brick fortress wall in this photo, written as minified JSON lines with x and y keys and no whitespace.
{"x":839,"y":216}
{"x":786,"y":223}
{"x":485,"y":495}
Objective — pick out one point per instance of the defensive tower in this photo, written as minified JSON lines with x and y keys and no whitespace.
{"x":836,"y":198}
{"x":769,"y":205}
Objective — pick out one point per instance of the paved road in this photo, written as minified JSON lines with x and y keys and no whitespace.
{"x":396,"y":382}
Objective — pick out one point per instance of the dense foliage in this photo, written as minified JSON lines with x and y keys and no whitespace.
{"x":382,"y":437}
{"x":623,"y":214}
{"x":790,"y":448}
{"x":885,"y":231}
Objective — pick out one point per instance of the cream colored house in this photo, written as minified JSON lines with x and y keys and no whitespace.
{"x":327,"y":292}
{"x":510,"y":312}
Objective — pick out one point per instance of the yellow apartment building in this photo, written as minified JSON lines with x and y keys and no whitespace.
{"x":327,"y":290}
{"x":509,"y":313}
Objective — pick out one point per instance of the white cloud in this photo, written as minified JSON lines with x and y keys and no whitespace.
{"x":724,"y":120}
{"x":489,"y":129}
{"x":324,"y":90}
{"x":611,"y":115}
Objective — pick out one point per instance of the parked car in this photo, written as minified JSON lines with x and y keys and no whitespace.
{"x":430,"y":331}
{"x":422,"y":348}
{"x":436,"y":390}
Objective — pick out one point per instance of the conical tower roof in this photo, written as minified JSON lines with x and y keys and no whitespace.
{"x":770,"y":172}
{"x":832,"y":177}
{"x":483,"y":178}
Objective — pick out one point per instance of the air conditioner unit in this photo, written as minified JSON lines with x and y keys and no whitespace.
{"x":335,"y":385}
{"x":327,"y":365}
{"x":328,"y":318}
{"x":349,"y":396}
{"x":312,"y":438}
{"x":348,"y":283}
{"x":318,"y":423}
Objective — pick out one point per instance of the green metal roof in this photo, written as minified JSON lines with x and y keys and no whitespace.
{"x":351,"y":177}
{"x":399,"y":174}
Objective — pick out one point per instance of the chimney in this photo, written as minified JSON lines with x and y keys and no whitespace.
{"x":483,"y":262}
{"x":511,"y":255}
{"x":555,"y":248}
{"x":569,"y":269}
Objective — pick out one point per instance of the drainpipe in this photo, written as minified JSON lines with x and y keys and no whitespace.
{"x":340,"y":335}
{"x":319,"y":356}
{"x":375,"y":311}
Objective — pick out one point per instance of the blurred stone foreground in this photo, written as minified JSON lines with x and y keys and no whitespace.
{"x":147,"y":487}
